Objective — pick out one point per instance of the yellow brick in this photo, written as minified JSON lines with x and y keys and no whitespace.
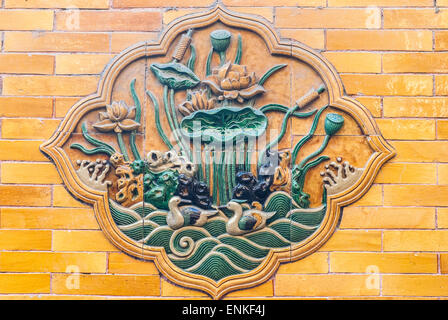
{"x":35,"y":173}
{"x":314,"y":38}
{"x":315,"y":263}
{"x":443,"y":174}
{"x":415,"y":18}
{"x":415,"y":240}
{"x":26,"y":107}
{"x":267,"y":13}
{"x":408,"y":173}
{"x":356,"y":62}
{"x":265,"y":289}
{"x":415,"y":195}
{"x":388,"y":85}
{"x":26,"y":20}
{"x":55,"y":42}
{"x":373,"y":104}
{"x":404,"y":129}
{"x":270,"y":3}
{"x":444,"y":263}
{"x":61,"y":198}
{"x":415,"y":107}
{"x":415,"y":62}
{"x":27,"y":64}
{"x":421,"y":151}
{"x":353,"y":240}
{"x":24,"y":283}
{"x":103,"y":20}
{"x":108,"y":285}
{"x":415,"y":285}
{"x":408,"y":40}
{"x":49,"y":85}
{"x":373,"y":197}
{"x":442,"y":129}
{"x":52,"y":262}
{"x":328,"y":18}
{"x":441,"y":85}
{"x":388,"y":218}
{"x":11,"y":195}
{"x":56,"y":4}
{"x":172,"y":290}
{"x":441,"y":40}
{"x":81,"y":63}
{"x":380,"y":3}
{"x":28,"y":128}
{"x":383,"y":262}
{"x":63,"y":105}
{"x":25,"y":240}
{"x":48,"y":218}
{"x":442,"y":218}
{"x":81,"y":241}
{"x":122,"y":263}
{"x":160,"y":3}
{"x":14,"y":150}
{"x":49,"y":297}
{"x":122,"y":40}
{"x":173,"y":14}
{"x":323,"y":285}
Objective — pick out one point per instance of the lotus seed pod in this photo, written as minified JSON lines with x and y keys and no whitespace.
{"x":220,"y":40}
{"x":333,"y":123}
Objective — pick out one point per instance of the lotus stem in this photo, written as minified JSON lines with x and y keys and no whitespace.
{"x":215,"y":178}
{"x":222,"y":179}
{"x":280,"y":136}
{"x":233,"y":172}
{"x":157,"y":120}
{"x":250,"y":146}
{"x":316,"y":153}
{"x":281,"y":108}
{"x":199,"y":164}
{"x":310,"y":134}
{"x":309,"y":97}
{"x":122,"y":146}
{"x":207,"y":165}
{"x":228,"y":185}
{"x":183,"y":144}
{"x":240,"y":165}
{"x":138,"y":113}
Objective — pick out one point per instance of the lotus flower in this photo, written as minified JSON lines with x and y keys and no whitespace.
{"x":118,"y":117}
{"x":232,"y":82}
{"x":199,"y":101}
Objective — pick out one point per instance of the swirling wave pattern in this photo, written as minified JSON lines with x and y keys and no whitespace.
{"x":209,"y":250}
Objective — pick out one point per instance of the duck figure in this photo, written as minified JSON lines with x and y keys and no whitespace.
{"x":189,"y":215}
{"x":248,"y":221}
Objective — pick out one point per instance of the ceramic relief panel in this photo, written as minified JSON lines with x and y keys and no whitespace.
{"x":219,"y":151}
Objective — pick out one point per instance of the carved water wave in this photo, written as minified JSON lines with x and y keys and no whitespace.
{"x":209,"y":250}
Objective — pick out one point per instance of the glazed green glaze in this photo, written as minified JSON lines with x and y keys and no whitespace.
{"x":175,"y":75}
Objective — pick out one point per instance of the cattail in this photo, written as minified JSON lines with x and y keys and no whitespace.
{"x":182,"y":46}
{"x":312,"y":95}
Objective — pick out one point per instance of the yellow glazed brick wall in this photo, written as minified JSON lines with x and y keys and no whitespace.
{"x":392,"y":56}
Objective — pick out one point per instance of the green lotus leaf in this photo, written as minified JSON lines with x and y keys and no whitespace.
{"x":175,"y":75}
{"x":224,"y":124}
